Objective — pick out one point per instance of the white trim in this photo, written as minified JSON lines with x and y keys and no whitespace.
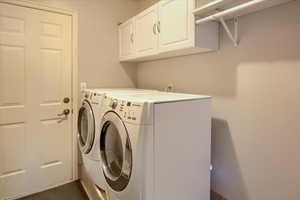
{"x":74,"y":15}
{"x":39,"y":6}
{"x":75,"y":92}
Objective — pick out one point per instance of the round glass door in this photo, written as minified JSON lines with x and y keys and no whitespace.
{"x":116,"y":152}
{"x":86,"y":127}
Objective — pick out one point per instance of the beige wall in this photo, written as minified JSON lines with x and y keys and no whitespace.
{"x":143,"y":4}
{"x":98,"y":40}
{"x":256,"y":90}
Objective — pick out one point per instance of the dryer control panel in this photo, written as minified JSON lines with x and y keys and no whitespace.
{"x":129,"y":111}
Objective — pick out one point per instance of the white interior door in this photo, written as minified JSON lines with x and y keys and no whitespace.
{"x":146,"y":34}
{"x":35,"y":77}
{"x":176,"y":25}
{"x":126,"y":40}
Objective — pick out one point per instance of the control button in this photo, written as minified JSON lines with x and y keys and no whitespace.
{"x":131,"y":113}
{"x":133,"y":118}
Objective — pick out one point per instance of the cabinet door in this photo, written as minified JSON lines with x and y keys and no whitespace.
{"x":126,"y":40}
{"x":176,"y":25}
{"x":146,"y":32}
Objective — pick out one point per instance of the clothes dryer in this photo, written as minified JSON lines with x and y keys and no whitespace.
{"x":156,"y":146}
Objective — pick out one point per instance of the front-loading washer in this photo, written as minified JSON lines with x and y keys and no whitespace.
{"x":156,"y":146}
{"x":89,"y":117}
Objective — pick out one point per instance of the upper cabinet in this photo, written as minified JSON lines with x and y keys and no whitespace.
{"x":175,"y":25}
{"x":126,"y":40}
{"x":164,"y":30}
{"x":146,"y":32}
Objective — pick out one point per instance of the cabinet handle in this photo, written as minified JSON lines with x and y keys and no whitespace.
{"x":154,"y":29}
{"x":131,"y":37}
{"x":158,"y":27}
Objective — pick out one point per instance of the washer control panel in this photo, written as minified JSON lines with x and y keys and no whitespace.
{"x":86,"y":95}
{"x":96,"y":98}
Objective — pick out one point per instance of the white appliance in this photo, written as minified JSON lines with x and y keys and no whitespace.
{"x":89,"y":125}
{"x":156,"y":146}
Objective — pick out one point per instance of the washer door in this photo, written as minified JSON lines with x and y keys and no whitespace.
{"x":86,"y":127}
{"x":116,"y":152}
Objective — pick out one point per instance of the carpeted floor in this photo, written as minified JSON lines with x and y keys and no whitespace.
{"x":71,"y":191}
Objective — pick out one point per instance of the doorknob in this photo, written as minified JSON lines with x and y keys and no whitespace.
{"x":65,"y":112}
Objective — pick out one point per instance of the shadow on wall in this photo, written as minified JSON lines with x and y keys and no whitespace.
{"x":131,"y":70}
{"x":223,"y":147}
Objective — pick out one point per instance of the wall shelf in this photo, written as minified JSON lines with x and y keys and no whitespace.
{"x":209,"y":7}
{"x":233,"y":12}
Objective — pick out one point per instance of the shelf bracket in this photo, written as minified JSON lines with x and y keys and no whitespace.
{"x":233,"y":36}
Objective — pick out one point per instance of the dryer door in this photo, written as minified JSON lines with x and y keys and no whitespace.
{"x":116,"y":152}
{"x":86,"y":127}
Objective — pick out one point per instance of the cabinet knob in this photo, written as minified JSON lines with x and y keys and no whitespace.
{"x":158,"y":26}
{"x":154,"y":29}
{"x":131,"y":38}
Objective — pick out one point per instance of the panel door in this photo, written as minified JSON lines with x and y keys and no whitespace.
{"x":126,"y":40}
{"x":15,"y":38}
{"x":35,"y":76}
{"x":53,"y":70}
{"x":146,"y":33}
{"x":176,"y":25}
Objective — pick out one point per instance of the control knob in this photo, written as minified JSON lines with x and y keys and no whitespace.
{"x":113,"y":104}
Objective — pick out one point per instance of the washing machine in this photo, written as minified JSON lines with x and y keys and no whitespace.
{"x":156,"y":146}
{"x":88,"y":126}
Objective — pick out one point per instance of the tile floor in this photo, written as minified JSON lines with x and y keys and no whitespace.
{"x":74,"y":191}
{"x":71,"y":191}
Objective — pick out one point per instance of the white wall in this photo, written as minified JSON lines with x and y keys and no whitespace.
{"x":98,"y":40}
{"x":256,"y":92}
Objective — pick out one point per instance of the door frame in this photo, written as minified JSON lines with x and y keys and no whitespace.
{"x":74,"y":15}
